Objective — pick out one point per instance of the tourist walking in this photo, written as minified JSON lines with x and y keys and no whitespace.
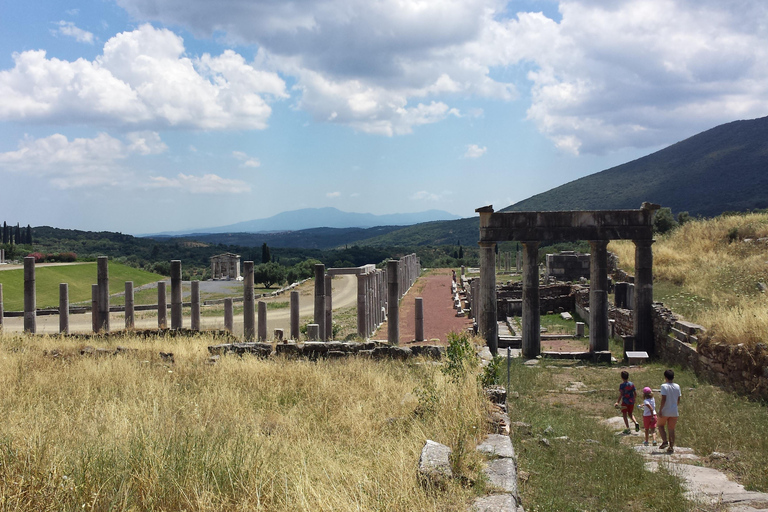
{"x":626,"y":402}
{"x":668,"y":411}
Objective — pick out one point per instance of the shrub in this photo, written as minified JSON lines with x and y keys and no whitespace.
{"x":39,"y":258}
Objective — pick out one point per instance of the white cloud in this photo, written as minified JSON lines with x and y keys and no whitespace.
{"x":143,"y":78}
{"x":93,"y":162}
{"x":613,"y":75}
{"x":146,"y":143}
{"x":607,"y":75}
{"x":333,"y":194}
{"x":67,"y":28}
{"x":206,"y":184}
{"x":375,"y":66}
{"x":247,"y":160}
{"x":423,"y":195}
{"x":69,"y":164}
{"x":475,"y":151}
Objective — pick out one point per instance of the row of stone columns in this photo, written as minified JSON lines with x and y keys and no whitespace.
{"x":408,"y":270}
{"x":371,"y":301}
{"x":598,"y":297}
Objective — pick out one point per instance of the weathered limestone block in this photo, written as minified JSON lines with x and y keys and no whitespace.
{"x":434,"y":463}
{"x":496,"y":503}
{"x":496,"y":445}
{"x":502,"y":473}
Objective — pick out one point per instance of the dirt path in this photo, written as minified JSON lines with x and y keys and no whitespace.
{"x":344,"y":296}
{"x":8,"y":266}
{"x":440,"y":318}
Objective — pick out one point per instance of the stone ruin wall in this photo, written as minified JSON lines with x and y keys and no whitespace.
{"x":555,"y":298}
{"x":737,"y":368}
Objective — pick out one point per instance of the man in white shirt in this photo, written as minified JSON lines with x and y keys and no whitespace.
{"x":668,"y":411}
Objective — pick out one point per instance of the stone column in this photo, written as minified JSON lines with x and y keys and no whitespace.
{"x":531,"y":314}
{"x":249,"y":308}
{"x":319,"y":317}
{"x":362,"y":325}
{"x":393,"y":295}
{"x":129,"y":305}
{"x":63,"y":308}
{"x":1,"y":307}
{"x":295,"y":315}
{"x":518,"y":261}
{"x":313,"y":332}
{"x":229,"y":315}
{"x":102,"y":265}
{"x":369,"y":304}
{"x":262,"y":321}
{"x":30,"y":300}
{"x":419,"y":319}
{"x":486,"y":314}
{"x":598,"y":295}
{"x":195,"y":322}
{"x":176,"y":322}
{"x":162,"y":305}
{"x":328,"y":308}
{"x":643,"y":297}
{"x":95,"y":308}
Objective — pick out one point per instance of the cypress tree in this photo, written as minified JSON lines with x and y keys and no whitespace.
{"x":5,"y":232}
{"x":29,"y":234}
{"x":17,"y":234}
{"x":265,"y":257}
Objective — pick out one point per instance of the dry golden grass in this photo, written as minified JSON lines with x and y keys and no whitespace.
{"x":129,"y":432}
{"x":719,"y":263}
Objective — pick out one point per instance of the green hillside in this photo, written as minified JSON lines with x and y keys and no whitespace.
{"x":722,"y":169}
{"x":79,"y":276}
{"x":443,"y":232}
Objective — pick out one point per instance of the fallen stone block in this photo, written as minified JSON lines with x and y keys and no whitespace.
{"x":434,"y":463}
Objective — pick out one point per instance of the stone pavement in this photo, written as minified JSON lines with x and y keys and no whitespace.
{"x":703,"y":484}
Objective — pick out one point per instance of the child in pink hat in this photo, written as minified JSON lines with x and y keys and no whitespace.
{"x":649,"y":415}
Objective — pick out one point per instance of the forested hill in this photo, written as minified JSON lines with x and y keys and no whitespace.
{"x":722,"y":169}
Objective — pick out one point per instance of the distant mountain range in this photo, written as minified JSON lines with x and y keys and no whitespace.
{"x":309,"y":218}
{"x":722,"y":169}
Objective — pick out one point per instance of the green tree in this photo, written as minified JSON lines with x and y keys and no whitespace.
{"x":265,"y":257}
{"x":683,"y":217}
{"x":29,"y":234}
{"x":664,"y":221}
{"x":269,"y":274}
{"x":5,"y":232}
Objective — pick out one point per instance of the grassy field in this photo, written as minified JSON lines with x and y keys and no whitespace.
{"x":131,"y":432}
{"x":594,"y":469}
{"x":80,"y":278}
{"x":710,"y":271}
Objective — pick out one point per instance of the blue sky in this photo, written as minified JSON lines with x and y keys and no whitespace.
{"x":154,"y":115}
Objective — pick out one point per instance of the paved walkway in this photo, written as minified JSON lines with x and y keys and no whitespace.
{"x":703,"y":484}
{"x":434,"y":287}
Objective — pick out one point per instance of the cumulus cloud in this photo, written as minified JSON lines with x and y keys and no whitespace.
{"x":475,"y":151}
{"x":247,"y":160}
{"x":83,"y":162}
{"x":333,"y":194}
{"x":146,"y":143}
{"x":68,"y":28}
{"x":613,"y":75}
{"x":603,"y":75}
{"x":206,"y":184}
{"x":69,"y":164}
{"x":376,"y":66}
{"x":143,"y":78}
